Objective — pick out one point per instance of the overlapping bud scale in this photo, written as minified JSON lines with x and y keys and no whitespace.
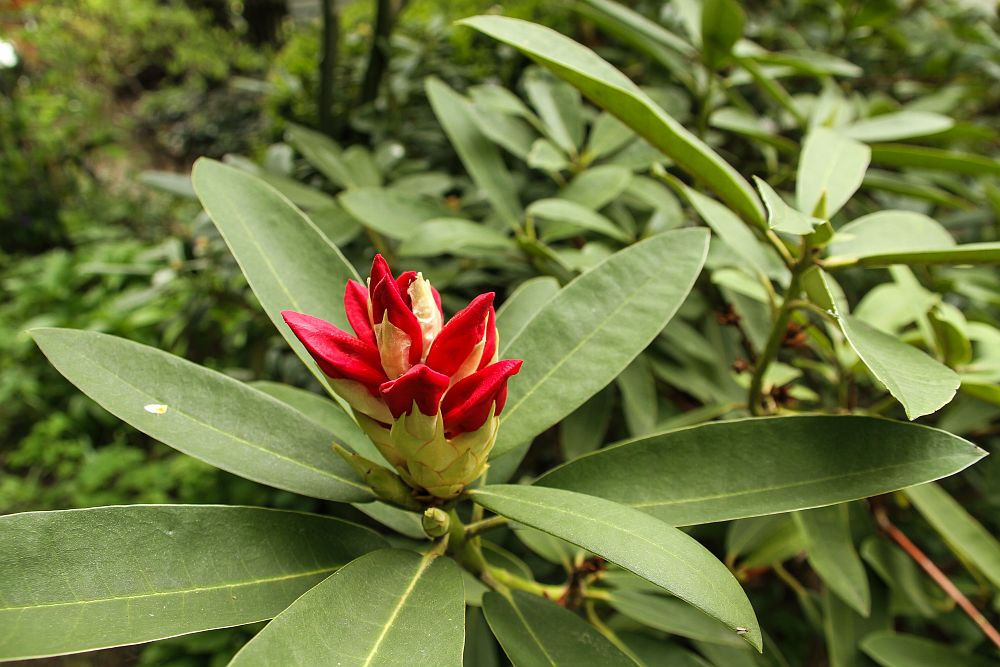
{"x":428,"y":393}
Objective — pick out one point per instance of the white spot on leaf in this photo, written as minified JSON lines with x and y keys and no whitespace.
{"x":156,"y":409}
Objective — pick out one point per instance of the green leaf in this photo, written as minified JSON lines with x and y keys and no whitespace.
{"x":79,"y":580}
{"x":923,"y":157}
{"x":584,"y":430}
{"x":598,"y":186}
{"x":389,"y":607}
{"x":549,"y":547}
{"x":545,"y":155}
{"x":966,"y":536}
{"x":716,"y":471}
{"x":654,"y":653}
{"x":558,"y":105}
{"x":889,"y":232}
{"x":831,"y":552}
{"x":511,"y":133}
{"x":396,"y":214}
{"x":951,"y":333}
{"x":782,"y":541}
{"x":607,"y":135}
{"x":907,"y":581}
{"x":337,"y":225}
{"x":452,"y":236}
{"x":610,"y":89}
{"x":965,"y":254}
{"x":889,"y":649}
{"x":635,"y":541}
{"x":324,"y":413}
{"x":910,"y":185}
{"x":631,"y":25}
{"x":169,"y":182}
{"x":323,"y":153}
{"x":898,"y":125}
{"x":329,"y":415}
{"x":480,"y":156}
{"x":288,"y":262}
{"x":578,"y":216}
{"x":481,"y":649}
{"x":721,"y":26}
{"x":735,"y":234}
{"x":300,"y":194}
{"x":921,"y":384}
{"x":203,"y":413}
{"x":535,"y":632}
{"x":522,"y":305}
{"x":673,"y":616}
{"x":840,"y":630}
{"x":592,"y":329}
{"x":362,"y":167}
{"x":831,"y":169}
{"x":639,"y":399}
{"x":780,"y":216}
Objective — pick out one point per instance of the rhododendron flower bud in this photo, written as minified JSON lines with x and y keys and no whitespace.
{"x":428,"y":393}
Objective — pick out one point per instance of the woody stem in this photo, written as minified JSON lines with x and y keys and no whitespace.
{"x":937,"y":575}
{"x":776,"y":338}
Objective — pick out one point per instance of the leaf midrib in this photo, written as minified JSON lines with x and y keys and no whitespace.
{"x":790,"y":485}
{"x":182,"y":591}
{"x":424,"y":564}
{"x":531,"y":633}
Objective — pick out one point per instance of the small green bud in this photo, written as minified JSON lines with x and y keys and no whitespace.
{"x":435,"y":522}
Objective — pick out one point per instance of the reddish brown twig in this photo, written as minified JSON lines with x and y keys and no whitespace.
{"x":937,"y":575}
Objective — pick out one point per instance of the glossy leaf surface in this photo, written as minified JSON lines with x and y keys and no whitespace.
{"x":79,"y":580}
{"x":535,"y":632}
{"x":831,"y":169}
{"x":635,"y":541}
{"x":389,"y":607}
{"x":920,"y":383}
{"x":593,"y":328}
{"x":203,"y":413}
{"x":961,"y":531}
{"x":700,"y":474}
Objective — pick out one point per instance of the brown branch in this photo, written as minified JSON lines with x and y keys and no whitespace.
{"x":937,"y":575}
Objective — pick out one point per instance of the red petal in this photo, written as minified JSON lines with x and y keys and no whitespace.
{"x":356,"y":305}
{"x":467,"y":405}
{"x":437,"y":299}
{"x":490,"y":348}
{"x":380,"y":270}
{"x":420,"y":384}
{"x":403,"y":282}
{"x":387,"y":299}
{"x":339,"y":354}
{"x":460,"y":335}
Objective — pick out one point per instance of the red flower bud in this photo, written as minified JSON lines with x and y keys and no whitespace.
{"x":403,"y":357}
{"x":492,"y":341}
{"x":462,"y":337}
{"x":356,"y":305}
{"x":421,"y":385}
{"x":467,"y":405}
{"x":339,"y":354}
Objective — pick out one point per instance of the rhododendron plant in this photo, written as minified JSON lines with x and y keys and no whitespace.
{"x":419,"y":425}
{"x":429,"y":394}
